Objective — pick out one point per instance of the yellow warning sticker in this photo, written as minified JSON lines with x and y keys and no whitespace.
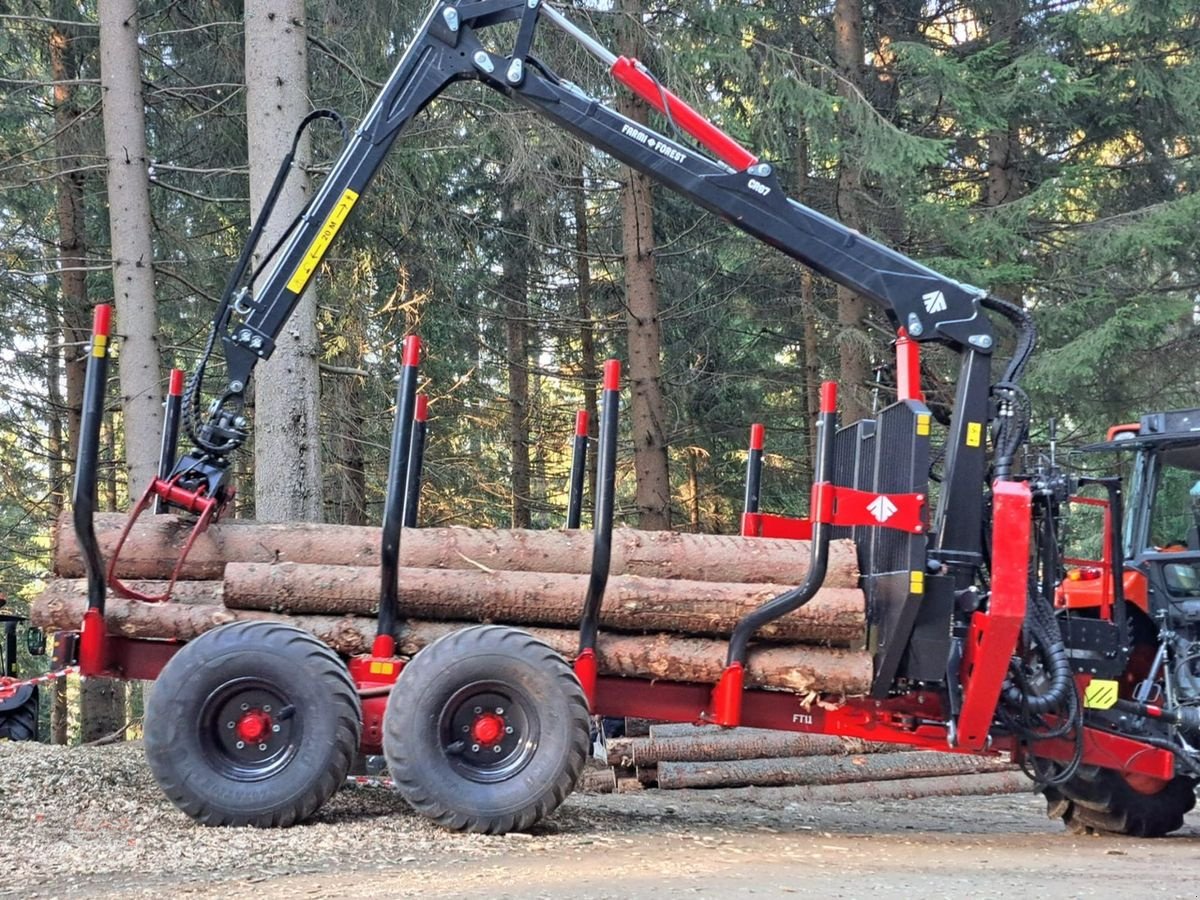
{"x":316,"y":250}
{"x":99,"y":344}
{"x":382,"y":668}
{"x":916,"y":582}
{"x":974,"y":433}
{"x":1100,"y":694}
{"x":923,"y":424}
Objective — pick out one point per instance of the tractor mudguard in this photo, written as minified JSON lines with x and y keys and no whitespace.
{"x":11,"y":699}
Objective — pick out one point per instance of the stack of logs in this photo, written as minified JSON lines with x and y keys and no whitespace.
{"x":671,"y":598}
{"x":814,"y":767}
{"x":671,"y":601}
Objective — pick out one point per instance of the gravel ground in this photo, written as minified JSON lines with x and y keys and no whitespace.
{"x":91,"y":822}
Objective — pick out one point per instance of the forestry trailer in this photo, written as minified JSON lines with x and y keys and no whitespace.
{"x":979,"y":641}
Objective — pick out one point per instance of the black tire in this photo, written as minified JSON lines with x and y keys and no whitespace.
{"x":21,"y":722}
{"x":486,"y":730}
{"x":1100,"y":801}
{"x":252,"y":723}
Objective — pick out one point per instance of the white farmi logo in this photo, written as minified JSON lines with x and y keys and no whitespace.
{"x":935,"y":301}
{"x":881,"y":508}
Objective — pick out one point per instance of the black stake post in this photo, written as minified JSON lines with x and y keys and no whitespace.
{"x":754,"y":461}
{"x":393,"y":508}
{"x":416,"y":460}
{"x":602,"y":523}
{"x":83,"y":495}
{"x":170,"y":435}
{"x":819,"y":548}
{"x":578,"y":469}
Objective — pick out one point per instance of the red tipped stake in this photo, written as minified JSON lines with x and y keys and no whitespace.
{"x":757,"y":435}
{"x":175,"y":387}
{"x":102,"y":319}
{"x":581,"y":423}
{"x":828,"y":396}
{"x":612,"y":375}
{"x":422,"y":411}
{"x":412,"y":351}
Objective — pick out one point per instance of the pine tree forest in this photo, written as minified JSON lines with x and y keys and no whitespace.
{"x":1043,"y":149}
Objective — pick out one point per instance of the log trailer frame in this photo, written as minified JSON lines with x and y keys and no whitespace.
{"x":486,"y":729}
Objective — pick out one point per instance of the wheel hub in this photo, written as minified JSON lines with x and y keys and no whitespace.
{"x":487,"y":728}
{"x":489,"y":731}
{"x":253,"y":725}
{"x":248,"y":729}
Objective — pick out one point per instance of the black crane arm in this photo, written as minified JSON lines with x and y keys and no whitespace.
{"x":736,"y":186}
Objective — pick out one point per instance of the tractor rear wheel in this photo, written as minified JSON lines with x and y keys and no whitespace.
{"x":486,"y":730}
{"x":1101,"y":801}
{"x":252,"y":723}
{"x":20,"y":723}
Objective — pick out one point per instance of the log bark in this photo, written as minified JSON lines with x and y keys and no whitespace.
{"x":678,"y":742}
{"x":836,"y":616}
{"x":741,"y":744}
{"x":823,"y":769}
{"x":980,"y":785}
{"x":156,"y":542}
{"x":597,"y":781}
{"x":792,"y":667}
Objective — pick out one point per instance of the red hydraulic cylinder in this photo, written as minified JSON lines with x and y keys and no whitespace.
{"x":638,"y":79}
{"x":908,"y":368}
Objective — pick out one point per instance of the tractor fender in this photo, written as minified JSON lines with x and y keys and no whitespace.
{"x":12,"y":698}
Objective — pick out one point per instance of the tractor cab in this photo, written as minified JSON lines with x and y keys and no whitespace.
{"x":1160,"y":533}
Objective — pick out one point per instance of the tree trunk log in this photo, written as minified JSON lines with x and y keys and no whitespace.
{"x":597,"y":781}
{"x":793,"y":667}
{"x":156,"y":542}
{"x":979,"y":784}
{"x":836,"y":616}
{"x":822,"y":769}
{"x":713,"y":745}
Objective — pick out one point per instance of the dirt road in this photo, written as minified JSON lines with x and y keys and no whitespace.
{"x":90,"y":822}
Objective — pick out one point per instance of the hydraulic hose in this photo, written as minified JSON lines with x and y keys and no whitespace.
{"x":1013,"y":421}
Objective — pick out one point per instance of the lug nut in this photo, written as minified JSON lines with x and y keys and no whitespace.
{"x":245,"y":707}
{"x":241,"y":745}
{"x":262,"y":746}
{"x":474,"y":748}
{"x":478,"y":710}
{"x":231,"y":725}
{"x":499,"y":710}
{"x":508,"y":729}
{"x":275,"y":728}
{"x":496,"y":749}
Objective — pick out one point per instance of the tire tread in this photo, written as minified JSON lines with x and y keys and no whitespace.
{"x":326,"y":665}
{"x":1100,"y":801}
{"x":410,"y":780}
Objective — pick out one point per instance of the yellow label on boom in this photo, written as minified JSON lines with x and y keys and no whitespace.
{"x":316,"y":250}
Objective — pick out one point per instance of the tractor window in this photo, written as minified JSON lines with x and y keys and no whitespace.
{"x":1175,"y":512}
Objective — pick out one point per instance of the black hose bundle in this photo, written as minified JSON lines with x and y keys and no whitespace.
{"x":225,"y":308}
{"x":1024,"y":705}
{"x":1014,"y":409}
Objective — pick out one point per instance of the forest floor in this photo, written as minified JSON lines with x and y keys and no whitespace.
{"x":90,"y":822}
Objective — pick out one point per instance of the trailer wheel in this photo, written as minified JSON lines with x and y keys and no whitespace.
{"x":1101,"y":801}
{"x":486,"y":730}
{"x":20,"y":723}
{"x":252,"y":723}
